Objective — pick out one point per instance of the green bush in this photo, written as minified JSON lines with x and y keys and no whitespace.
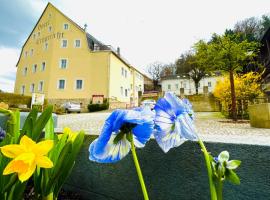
{"x":13,"y":100}
{"x":98,"y":107}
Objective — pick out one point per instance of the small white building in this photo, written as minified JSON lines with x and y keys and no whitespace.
{"x":183,"y":85}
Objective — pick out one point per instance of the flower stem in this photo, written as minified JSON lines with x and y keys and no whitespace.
{"x":48,"y":197}
{"x":209,"y":170}
{"x":139,"y":172}
{"x":219,"y":189}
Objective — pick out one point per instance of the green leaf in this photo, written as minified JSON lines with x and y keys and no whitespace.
{"x":232,"y":177}
{"x":49,"y":130}
{"x":233,"y":164}
{"x":41,"y":123}
{"x":29,"y":122}
{"x":223,"y":156}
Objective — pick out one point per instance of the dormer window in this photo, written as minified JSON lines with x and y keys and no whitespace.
{"x":66,"y":27}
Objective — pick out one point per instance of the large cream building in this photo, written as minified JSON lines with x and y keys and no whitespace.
{"x":64,"y":62}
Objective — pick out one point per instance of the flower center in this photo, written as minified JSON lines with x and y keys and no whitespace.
{"x":126,"y":129}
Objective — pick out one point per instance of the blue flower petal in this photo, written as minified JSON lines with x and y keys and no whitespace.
{"x":176,"y":104}
{"x":186,"y":127}
{"x":142,"y":133}
{"x":111,"y":152}
{"x":112,"y":124}
{"x":167,"y":139}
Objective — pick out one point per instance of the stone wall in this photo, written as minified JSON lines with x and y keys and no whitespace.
{"x":259,"y":115}
{"x":179,"y":174}
{"x":204,"y":103}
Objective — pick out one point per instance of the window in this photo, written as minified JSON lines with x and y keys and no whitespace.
{"x":23,"y":89}
{"x":32,"y":87}
{"x":176,"y":86}
{"x":38,"y":34}
{"x":61,"y":84}
{"x":25,"y":71}
{"x":123,"y":71}
{"x":50,"y":28}
{"x":65,"y":26}
{"x":126,"y":92}
{"x":169,"y":87}
{"x":34,"y":36}
{"x":40,"y":86}
{"x":43,"y":66}
{"x":77,"y":43}
{"x":34,"y":70}
{"x":209,"y":84}
{"x":185,"y":85}
{"x":121,"y":90}
{"x":46,"y":45}
{"x":31,"y":52}
{"x":64,"y":44}
{"x":79,"y":84}
{"x":25,"y":53}
{"x":63,"y":63}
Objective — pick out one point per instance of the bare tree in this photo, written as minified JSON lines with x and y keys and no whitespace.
{"x":155,"y":70}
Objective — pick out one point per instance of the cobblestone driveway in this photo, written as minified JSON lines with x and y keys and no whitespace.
{"x":210,"y":127}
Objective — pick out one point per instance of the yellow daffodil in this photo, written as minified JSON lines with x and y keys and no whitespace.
{"x":71,"y":135}
{"x":26,"y":157}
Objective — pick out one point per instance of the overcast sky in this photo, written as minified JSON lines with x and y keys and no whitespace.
{"x":145,"y":30}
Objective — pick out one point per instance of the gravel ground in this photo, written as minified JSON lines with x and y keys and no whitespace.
{"x":211,"y":127}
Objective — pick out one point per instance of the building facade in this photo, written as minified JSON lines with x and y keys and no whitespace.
{"x":183,"y":85}
{"x":64,"y":62}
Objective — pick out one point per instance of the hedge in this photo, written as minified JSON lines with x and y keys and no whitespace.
{"x":98,"y":107}
{"x":13,"y":100}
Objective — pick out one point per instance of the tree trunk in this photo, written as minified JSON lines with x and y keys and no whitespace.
{"x":196,"y":87}
{"x":234,"y":117}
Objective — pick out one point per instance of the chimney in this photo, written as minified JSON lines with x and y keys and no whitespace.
{"x":118,"y":51}
{"x":85,"y":27}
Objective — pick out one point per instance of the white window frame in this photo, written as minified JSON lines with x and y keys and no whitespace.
{"x":34,"y":68}
{"x":75,"y":84}
{"x":60,"y":63}
{"x":41,"y":69}
{"x":41,"y":90}
{"x":58,"y":84}
{"x":32,"y":89}
{"x":64,"y":28}
{"x":75,"y":43}
{"x":22,"y":89}
{"x":63,"y":43}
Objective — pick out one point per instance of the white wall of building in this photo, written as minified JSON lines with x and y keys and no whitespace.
{"x":174,"y":85}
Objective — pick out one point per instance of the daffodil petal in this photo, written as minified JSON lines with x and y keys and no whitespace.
{"x":27,"y":142}
{"x":28,"y":173}
{"x":15,"y":166}
{"x":42,"y":148}
{"x":12,"y":151}
{"x":26,"y":157}
{"x":44,"y":162}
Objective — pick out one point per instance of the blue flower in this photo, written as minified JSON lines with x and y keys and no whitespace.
{"x":2,"y":134}
{"x":114,"y":143}
{"x":188,"y":106}
{"x":173,"y":125}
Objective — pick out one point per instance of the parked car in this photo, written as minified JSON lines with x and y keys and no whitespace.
{"x":148,"y":103}
{"x":71,"y":107}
